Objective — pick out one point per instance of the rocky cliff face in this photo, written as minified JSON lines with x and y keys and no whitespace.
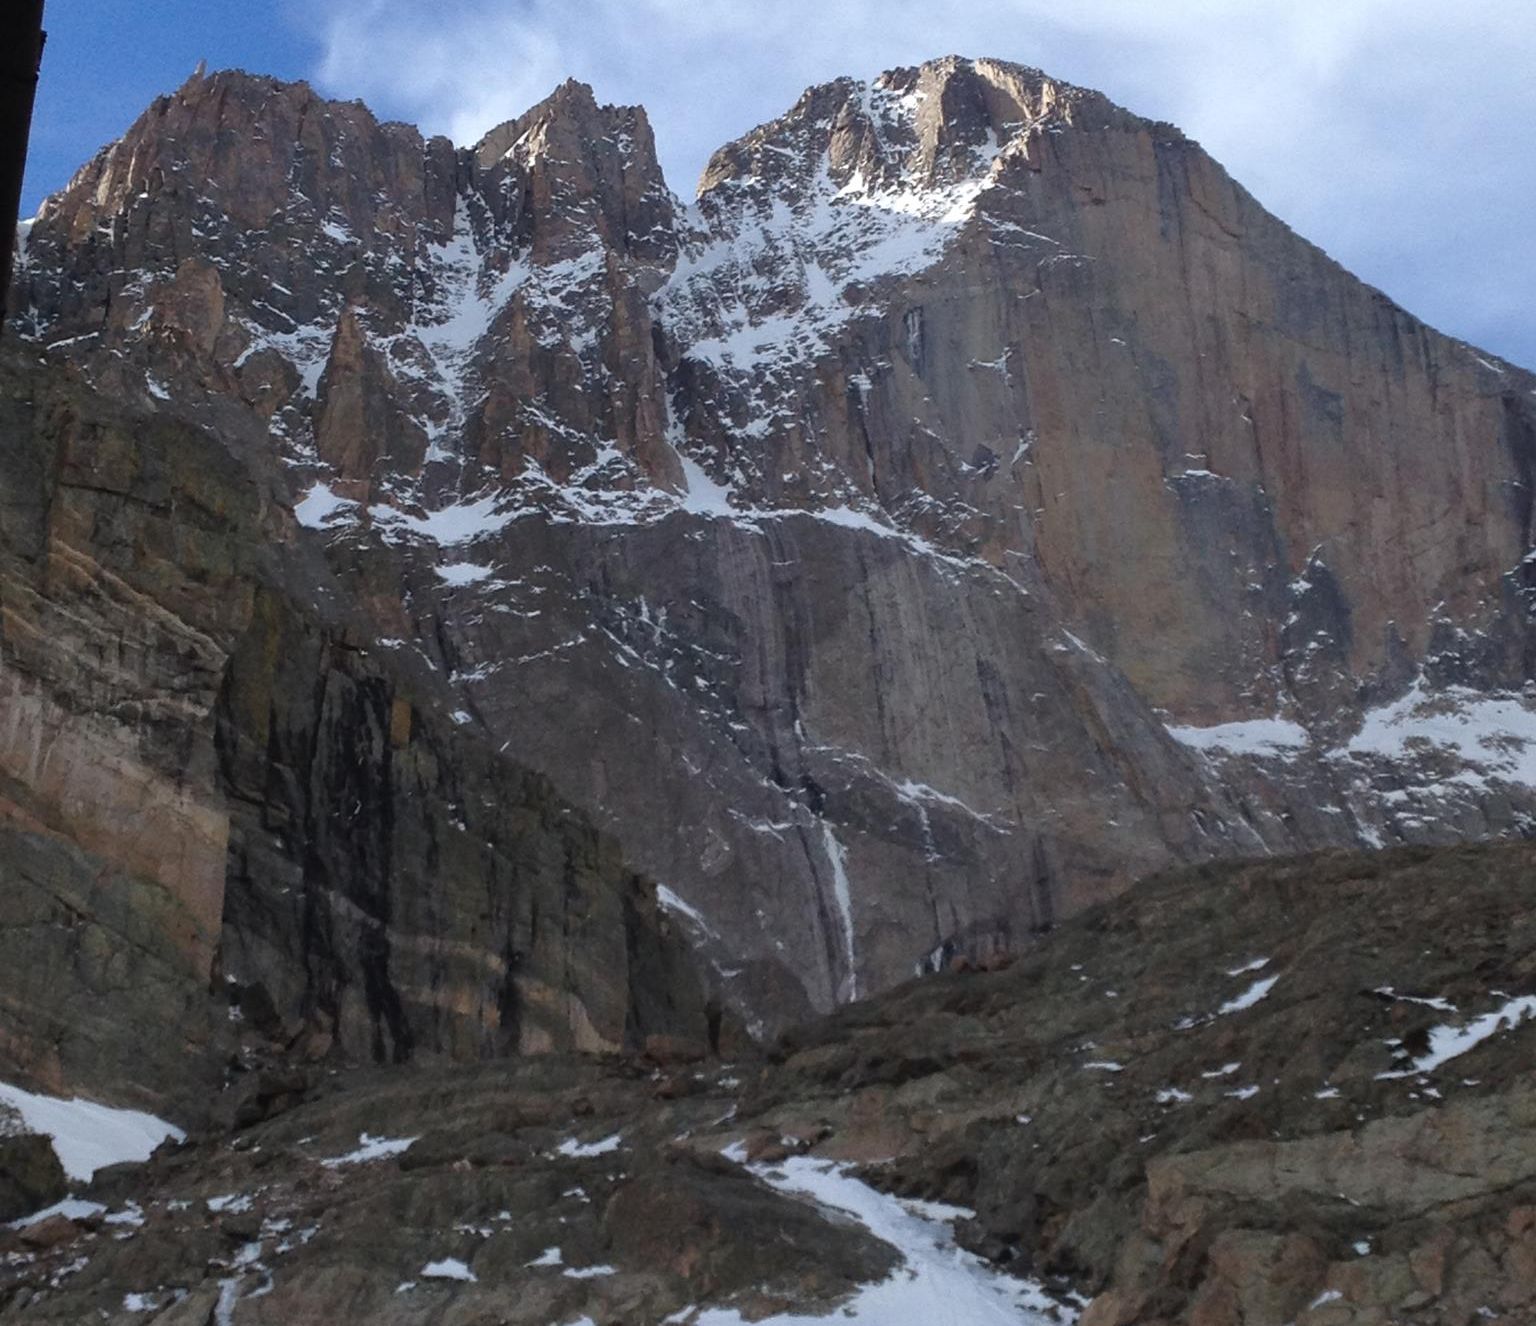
{"x":231,"y":828}
{"x":971,"y":501}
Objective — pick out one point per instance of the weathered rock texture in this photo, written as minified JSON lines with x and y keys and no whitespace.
{"x":124,"y":580}
{"x":1202,"y":1104}
{"x":396,"y":886}
{"x":972,"y":501}
{"x":215,"y":794}
{"x":1210,"y":1101}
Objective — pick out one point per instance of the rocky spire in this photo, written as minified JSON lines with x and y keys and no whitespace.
{"x":588,"y":173}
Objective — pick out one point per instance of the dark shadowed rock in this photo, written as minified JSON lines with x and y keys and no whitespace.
{"x":30,"y":1174}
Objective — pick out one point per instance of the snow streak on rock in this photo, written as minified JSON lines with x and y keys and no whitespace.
{"x":1450,"y":1041}
{"x":842,"y":897}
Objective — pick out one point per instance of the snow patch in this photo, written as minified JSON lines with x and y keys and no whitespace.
{"x":1252,"y":736}
{"x":581,"y":1150}
{"x":319,"y":506}
{"x":1249,"y":997}
{"x":1435,"y":1002}
{"x":71,"y":1208}
{"x":704,"y":497}
{"x":1449,"y":1042}
{"x":87,"y":1136}
{"x":459,"y":522}
{"x":669,"y":901}
{"x":463,"y":573}
{"x":370,"y":1148}
{"x":936,"y":1282}
{"x":450,"y":1268}
{"x":1494,"y":733}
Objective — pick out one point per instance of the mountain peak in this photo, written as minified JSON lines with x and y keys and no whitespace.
{"x":572,"y":114}
{"x":922,"y":126}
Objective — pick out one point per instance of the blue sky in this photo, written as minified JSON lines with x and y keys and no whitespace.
{"x":106,"y":60}
{"x":1395,"y":133}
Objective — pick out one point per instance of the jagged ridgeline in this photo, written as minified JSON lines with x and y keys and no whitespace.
{"x":972,"y":501}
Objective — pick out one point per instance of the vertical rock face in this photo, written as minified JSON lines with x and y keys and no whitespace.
{"x":1119,"y":368}
{"x":395,"y":887}
{"x":121,"y":588}
{"x":216,"y":795}
{"x":357,"y":433}
{"x":972,"y":501}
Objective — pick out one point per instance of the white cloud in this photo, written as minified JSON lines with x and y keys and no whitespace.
{"x":1393,"y":132}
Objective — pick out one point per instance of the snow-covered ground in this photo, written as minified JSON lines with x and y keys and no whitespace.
{"x":87,"y":1136}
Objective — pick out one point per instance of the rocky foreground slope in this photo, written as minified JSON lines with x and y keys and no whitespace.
{"x":1298,"y":1092}
{"x":972,"y":501}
